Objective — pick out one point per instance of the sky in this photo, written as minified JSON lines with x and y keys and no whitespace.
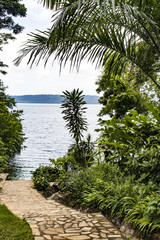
{"x":22,"y":80}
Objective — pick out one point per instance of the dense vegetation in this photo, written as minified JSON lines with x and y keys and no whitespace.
{"x":17,"y":229}
{"x":11,"y":135}
{"x":120,"y":176}
{"x":11,"y":132}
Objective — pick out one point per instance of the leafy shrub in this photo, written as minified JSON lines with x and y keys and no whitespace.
{"x":4,"y":158}
{"x":145,"y":214}
{"x":76,"y":182}
{"x":40,"y":183}
{"x":126,"y":201}
{"x":133,"y":144}
{"x":104,"y":187}
{"x":11,"y":132}
{"x":65,"y":163}
{"x":43,"y":175}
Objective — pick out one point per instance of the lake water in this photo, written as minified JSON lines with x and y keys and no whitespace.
{"x":47,"y":137}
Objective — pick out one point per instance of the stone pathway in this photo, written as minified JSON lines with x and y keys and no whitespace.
{"x":49,"y":219}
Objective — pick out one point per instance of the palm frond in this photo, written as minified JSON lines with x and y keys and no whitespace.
{"x":52,"y":4}
{"x":55,"y":4}
{"x":114,"y":38}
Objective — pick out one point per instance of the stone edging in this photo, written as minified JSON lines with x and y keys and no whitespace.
{"x":3,"y":177}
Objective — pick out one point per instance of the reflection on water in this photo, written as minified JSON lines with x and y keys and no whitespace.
{"x":47,"y":136}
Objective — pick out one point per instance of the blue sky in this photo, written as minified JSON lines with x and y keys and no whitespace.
{"x":39,"y":80}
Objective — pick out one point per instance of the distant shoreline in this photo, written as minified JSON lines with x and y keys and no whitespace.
{"x":51,"y":99}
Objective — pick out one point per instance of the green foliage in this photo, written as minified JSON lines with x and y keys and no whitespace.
{"x":123,"y":36}
{"x":106,"y":188}
{"x":11,"y":134}
{"x":73,"y":110}
{"x":43,"y":175}
{"x":121,"y":94}
{"x":78,"y":182}
{"x":75,"y":183}
{"x":133,"y":144}
{"x":12,"y":227}
{"x":40,"y":183}
{"x":3,"y":158}
{"x":74,"y":158}
{"x":65,"y":163}
{"x":8,"y":10}
{"x":145,"y":214}
{"x":83,"y":154}
{"x":11,"y":130}
{"x":128,"y":202}
{"x":126,"y":34}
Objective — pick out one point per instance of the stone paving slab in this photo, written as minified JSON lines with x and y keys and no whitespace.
{"x":49,"y":219}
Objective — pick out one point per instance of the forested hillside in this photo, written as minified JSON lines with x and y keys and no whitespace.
{"x":44,"y":98}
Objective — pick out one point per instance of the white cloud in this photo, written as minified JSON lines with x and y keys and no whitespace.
{"x":23,"y":80}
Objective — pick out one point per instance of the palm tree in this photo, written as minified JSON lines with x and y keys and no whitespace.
{"x":73,"y":110}
{"x":106,"y":32}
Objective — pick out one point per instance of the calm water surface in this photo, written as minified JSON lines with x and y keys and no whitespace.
{"x":47,"y":136}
